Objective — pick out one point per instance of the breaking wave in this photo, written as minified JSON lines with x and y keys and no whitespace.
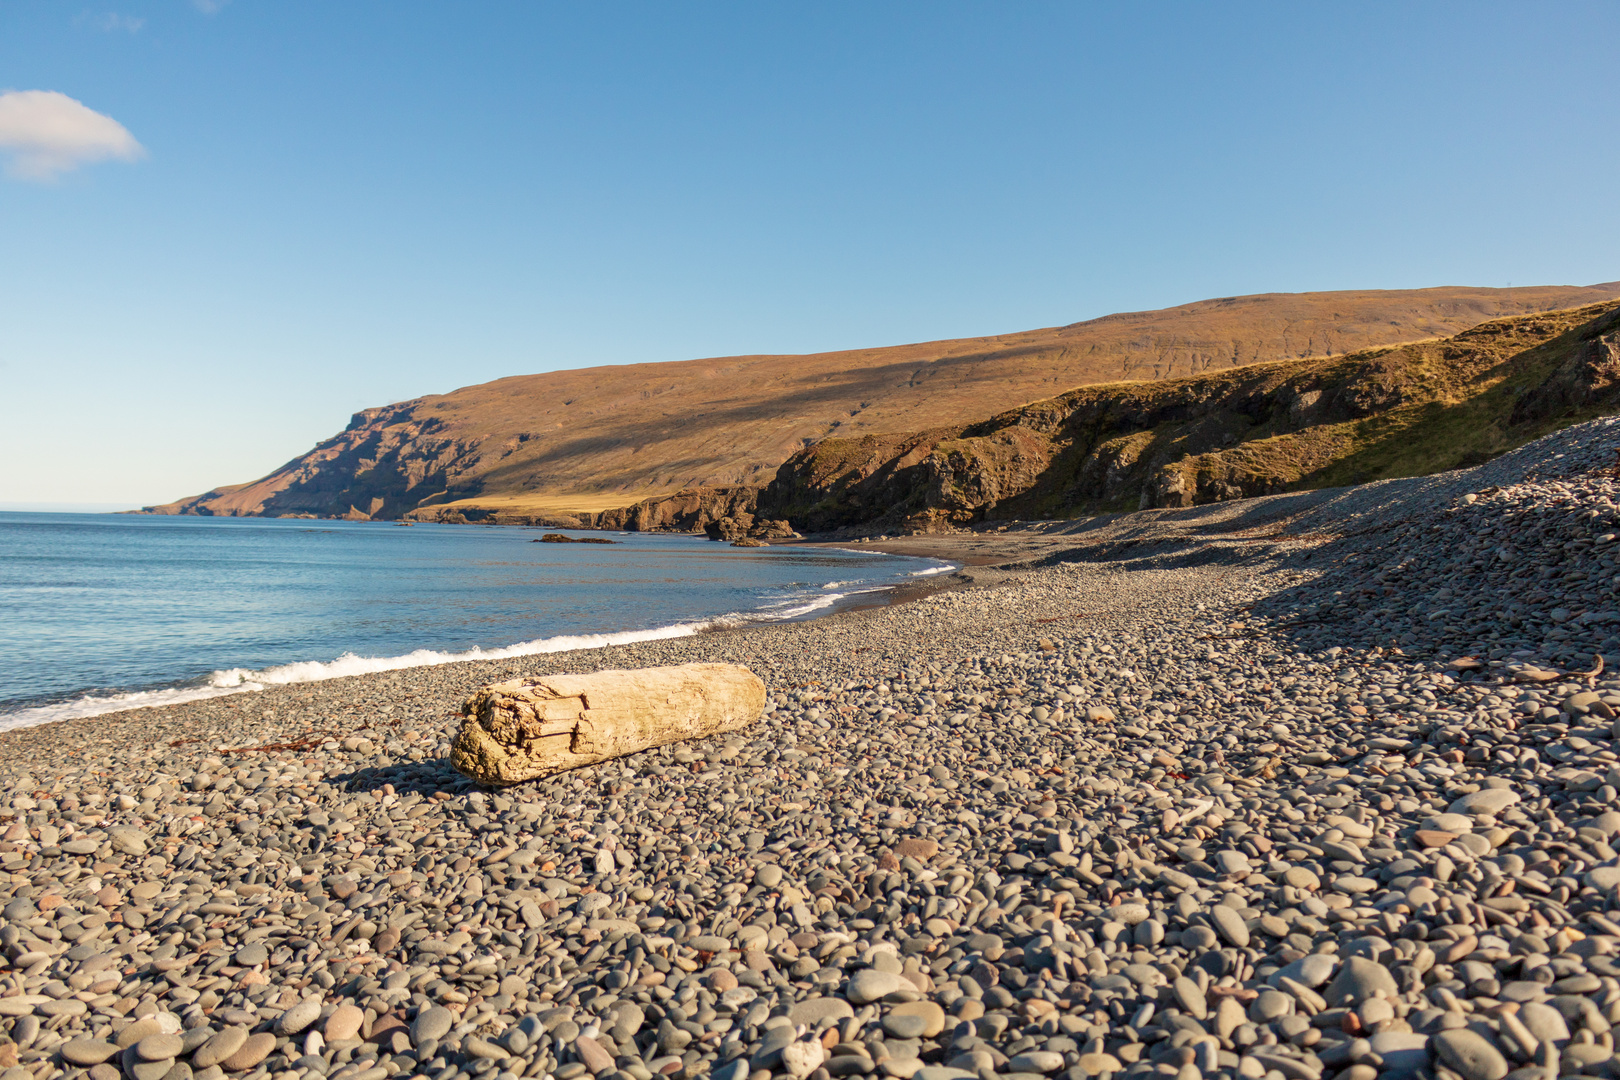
{"x":249,"y":680}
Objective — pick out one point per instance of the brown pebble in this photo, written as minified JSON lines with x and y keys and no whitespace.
{"x":593,"y":1056}
{"x":344,"y":1023}
{"x":137,"y":1031}
{"x":1431,"y":838}
{"x":254,"y":1050}
{"x":1460,"y":948}
{"x":220,"y":1046}
{"x":917,"y":847}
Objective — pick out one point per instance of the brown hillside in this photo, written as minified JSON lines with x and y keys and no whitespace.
{"x":1258,"y":430}
{"x":591,"y":438}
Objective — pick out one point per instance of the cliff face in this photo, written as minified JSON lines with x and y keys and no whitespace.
{"x":564,"y":444}
{"x":1256,"y":430}
{"x":387,"y":462}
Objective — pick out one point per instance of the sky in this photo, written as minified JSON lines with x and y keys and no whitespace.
{"x":227,"y":226}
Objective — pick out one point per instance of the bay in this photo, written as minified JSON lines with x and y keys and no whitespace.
{"x":107,"y":611}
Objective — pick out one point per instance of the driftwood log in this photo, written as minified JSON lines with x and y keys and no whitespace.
{"x":539,"y":726}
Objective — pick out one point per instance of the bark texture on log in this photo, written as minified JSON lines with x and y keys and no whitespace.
{"x":534,"y":727}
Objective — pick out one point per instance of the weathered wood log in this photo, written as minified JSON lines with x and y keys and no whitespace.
{"x":533,"y":727}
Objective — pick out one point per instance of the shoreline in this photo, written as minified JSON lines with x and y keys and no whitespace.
{"x":1154,"y":795}
{"x":900,"y":592}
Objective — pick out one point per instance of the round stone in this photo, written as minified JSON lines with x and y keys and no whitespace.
{"x":1358,"y":980}
{"x":1036,"y":1061}
{"x":1301,"y":877}
{"x":140,"y":1029}
{"x":1470,"y":1055}
{"x":709,"y":943}
{"x":1487,"y":802}
{"x":86,"y":1051}
{"x":299,"y":1017}
{"x":1198,"y":939}
{"x":433,"y":1022}
{"x":344,"y":1023}
{"x":1190,"y":998}
{"x":800,"y":1059}
{"x":1229,"y":924}
{"x":159,"y":1047}
{"x":915,"y":1020}
{"x":1309,"y":971}
{"x":811,"y":1011}
{"x":251,"y":955}
{"x":254,"y":1049}
{"x":1544,"y":1022}
{"x":139,"y":1069}
{"x":869,"y":985}
{"x":1270,"y":1005}
{"x":1452,"y":823}
{"x":221,"y":1045}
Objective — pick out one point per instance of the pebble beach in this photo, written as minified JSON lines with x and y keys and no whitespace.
{"x":1316,"y":785}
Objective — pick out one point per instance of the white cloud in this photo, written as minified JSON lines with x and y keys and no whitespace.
{"x":110,"y":22}
{"x":209,"y":7}
{"x":44,"y":134}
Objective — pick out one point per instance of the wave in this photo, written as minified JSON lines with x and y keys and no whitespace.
{"x":932,"y":570}
{"x":96,"y":705}
{"x":246,"y":680}
{"x":249,"y":680}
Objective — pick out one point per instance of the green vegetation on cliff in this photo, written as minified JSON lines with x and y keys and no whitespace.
{"x":1254,"y":430}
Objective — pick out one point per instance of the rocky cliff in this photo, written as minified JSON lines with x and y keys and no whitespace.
{"x":1255,"y":430}
{"x":568,"y":445}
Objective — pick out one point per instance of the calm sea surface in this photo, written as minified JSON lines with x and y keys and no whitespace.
{"x":104,"y":611}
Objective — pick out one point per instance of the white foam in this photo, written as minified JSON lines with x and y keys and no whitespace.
{"x":818,"y":603}
{"x":94,"y":705}
{"x":246,"y":680}
{"x":350,"y":664}
{"x":932,"y":570}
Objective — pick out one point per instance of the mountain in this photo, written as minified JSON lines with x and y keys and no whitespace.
{"x":1256,"y":430}
{"x":576,"y":443}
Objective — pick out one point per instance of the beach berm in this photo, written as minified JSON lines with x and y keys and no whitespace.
{"x":1193,"y":793}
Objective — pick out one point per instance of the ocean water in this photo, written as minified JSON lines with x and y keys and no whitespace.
{"x":100,"y":612}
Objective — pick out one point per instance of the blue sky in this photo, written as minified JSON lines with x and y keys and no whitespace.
{"x":333,"y":206}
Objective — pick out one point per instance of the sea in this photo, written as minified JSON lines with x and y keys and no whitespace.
{"x":102,"y":612}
